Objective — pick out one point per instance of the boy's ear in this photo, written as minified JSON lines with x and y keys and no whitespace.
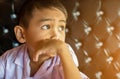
{"x":20,"y":33}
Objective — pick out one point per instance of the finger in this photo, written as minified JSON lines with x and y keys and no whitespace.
{"x":36,"y":56}
{"x":51,"y":55}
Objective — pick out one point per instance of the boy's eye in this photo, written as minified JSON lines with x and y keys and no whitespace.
{"x":61,"y":28}
{"x":45,"y":27}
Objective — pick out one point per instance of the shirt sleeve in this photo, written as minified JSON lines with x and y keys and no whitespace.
{"x":73,"y":55}
{"x":83,"y":76}
{"x":1,"y":68}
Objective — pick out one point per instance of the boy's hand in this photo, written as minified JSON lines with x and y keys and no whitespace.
{"x":48,"y":48}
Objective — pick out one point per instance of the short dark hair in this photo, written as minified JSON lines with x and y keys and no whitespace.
{"x":26,"y":10}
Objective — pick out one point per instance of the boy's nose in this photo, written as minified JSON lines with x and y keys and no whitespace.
{"x":55,"y":35}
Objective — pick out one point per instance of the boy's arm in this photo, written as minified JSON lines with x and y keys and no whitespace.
{"x":74,"y":57}
{"x":70,"y":69}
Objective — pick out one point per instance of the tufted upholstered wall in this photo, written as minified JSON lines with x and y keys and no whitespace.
{"x":93,"y":30}
{"x":94,"y":33}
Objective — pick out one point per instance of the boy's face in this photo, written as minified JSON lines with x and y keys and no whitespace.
{"x":46,"y":24}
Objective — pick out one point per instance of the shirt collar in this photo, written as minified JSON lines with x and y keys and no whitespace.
{"x":19,"y":60}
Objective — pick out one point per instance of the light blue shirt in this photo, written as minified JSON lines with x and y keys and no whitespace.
{"x":14,"y":64}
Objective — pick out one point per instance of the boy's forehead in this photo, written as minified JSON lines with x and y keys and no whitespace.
{"x":48,"y":10}
{"x":48,"y":14}
{"x":51,"y":19}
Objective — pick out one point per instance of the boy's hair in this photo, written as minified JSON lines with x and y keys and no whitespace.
{"x":26,"y":11}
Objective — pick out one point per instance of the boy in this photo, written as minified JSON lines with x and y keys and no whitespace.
{"x":44,"y":54}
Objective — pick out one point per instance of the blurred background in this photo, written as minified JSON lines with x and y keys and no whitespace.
{"x":93,"y":30}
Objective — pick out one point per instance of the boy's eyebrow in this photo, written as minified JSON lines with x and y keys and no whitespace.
{"x":63,"y":21}
{"x":41,"y":20}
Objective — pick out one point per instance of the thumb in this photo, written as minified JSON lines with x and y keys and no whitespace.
{"x":36,"y":55}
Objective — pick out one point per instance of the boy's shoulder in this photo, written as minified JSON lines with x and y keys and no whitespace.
{"x":12,"y":53}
